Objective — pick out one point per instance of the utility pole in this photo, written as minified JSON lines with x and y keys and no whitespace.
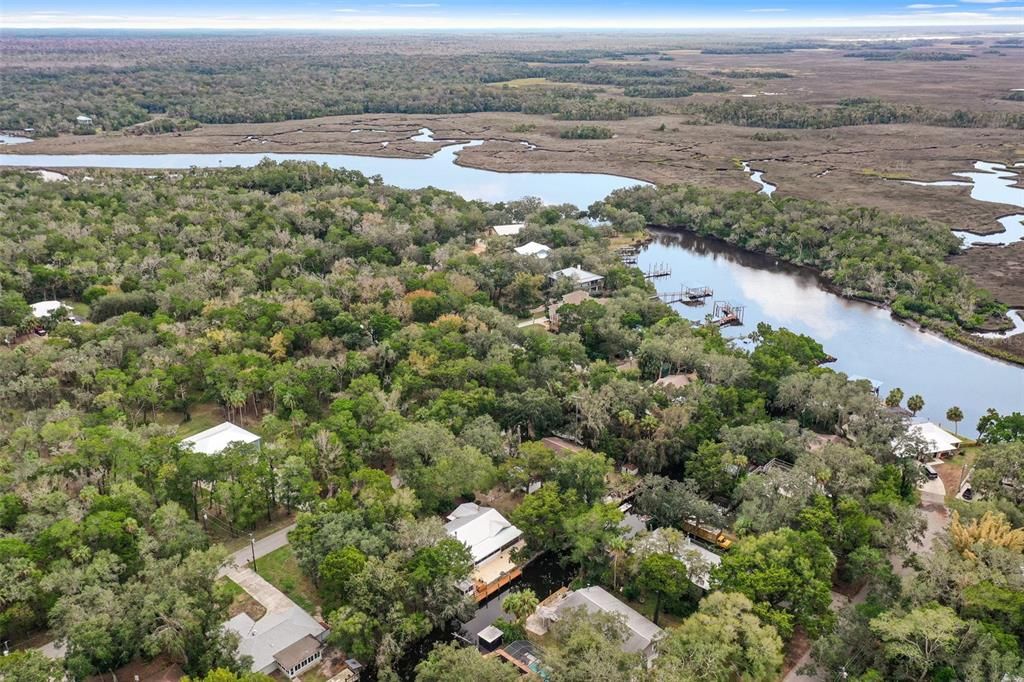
{"x":252,"y":544}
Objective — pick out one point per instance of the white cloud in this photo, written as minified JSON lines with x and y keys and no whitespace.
{"x":415,"y":4}
{"x":1015,"y":8}
{"x":927,"y":6}
{"x":769,"y":9}
{"x":984,"y":2}
{"x":345,"y":10}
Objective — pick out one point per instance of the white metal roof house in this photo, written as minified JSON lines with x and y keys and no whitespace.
{"x":483,"y":530}
{"x":215,"y":440}
{"x":83,"y":120}
{"x":938,"y":442}
{"x":535,"y":249}
{"x":508,"y":230}
{"x":290,"y":641}
{"x":642,"y":634}
{"x":587,"y":281}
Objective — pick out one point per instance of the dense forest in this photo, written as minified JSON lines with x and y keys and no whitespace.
{"x":847,"y":112}
{"x":359,"y":329}
{"x":186,"y":81}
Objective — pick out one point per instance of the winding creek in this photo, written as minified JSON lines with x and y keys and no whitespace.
{"x":866,"y":340}
{"x":991,"y":183}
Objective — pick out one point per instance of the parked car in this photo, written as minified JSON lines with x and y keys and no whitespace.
{"x":930,"y":472}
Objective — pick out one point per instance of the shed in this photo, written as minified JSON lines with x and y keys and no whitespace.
{"x":83,"y":120}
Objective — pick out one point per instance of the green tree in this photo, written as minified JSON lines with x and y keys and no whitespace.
{"x":918,"y":642}
{"x":589,"y":649}
{"x":723,"y":640}
{"x":663,"y":577}
{"x":224,"y":675}
{"x":13,"y":309}
{"x":336,"y":572}
{"x":915,"y":403}
{"x":788,"y":576}
{"x":542,"y":516}
{"x":996,"y":428}
{"x":448,"y":662}
{"x":894,"y":398}
{"x":29,"y":666}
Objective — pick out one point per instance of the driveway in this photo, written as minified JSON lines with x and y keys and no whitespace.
{"x":236,"y":568}
{"x":264,"y":546}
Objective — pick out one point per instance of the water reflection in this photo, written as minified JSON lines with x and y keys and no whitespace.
{"x":866,"y":340}
{"x":439,"y":170}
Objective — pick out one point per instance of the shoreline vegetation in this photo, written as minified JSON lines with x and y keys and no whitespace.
{"x":863,"y":254}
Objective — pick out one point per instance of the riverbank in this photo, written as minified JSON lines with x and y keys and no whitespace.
{"x":859,"y":160}
{"x":1009,"y":349}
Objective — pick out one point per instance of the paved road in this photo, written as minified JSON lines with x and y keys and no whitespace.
{"x":264,"y":546}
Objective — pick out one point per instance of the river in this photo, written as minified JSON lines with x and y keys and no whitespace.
{"x":439,"y":170}
{"x":865,"y":339}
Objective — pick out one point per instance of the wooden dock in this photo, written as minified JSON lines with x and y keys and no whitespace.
{"x":686,"y":296}
{"x":482,"y":590}
{"x":658,"y":270}
{"x":726,"y":314}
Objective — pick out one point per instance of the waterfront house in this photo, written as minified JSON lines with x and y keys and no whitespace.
{"x":215,"y":440}
{"x":938,"y":442}
{"x":583,"y":280}
{"x":641,"y":634}
{"x":483,"y":530}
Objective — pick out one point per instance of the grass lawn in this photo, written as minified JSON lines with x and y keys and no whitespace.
{"x":204,"y":416}
{"x":242,"y":602}
{"x":280,"y":569}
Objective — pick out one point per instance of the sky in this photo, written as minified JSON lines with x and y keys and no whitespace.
{"x":508,"y":14}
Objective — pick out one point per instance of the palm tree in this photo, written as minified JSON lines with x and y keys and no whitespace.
{"x":955,"y":415}
{"x":520,"y":603}
{"x":915,"y":404}
{"x":617,"y":548}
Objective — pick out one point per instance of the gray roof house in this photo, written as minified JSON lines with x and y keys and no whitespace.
{"x":289,"y":641}
{"x":641,"y":634}
{"x":586,"y":281}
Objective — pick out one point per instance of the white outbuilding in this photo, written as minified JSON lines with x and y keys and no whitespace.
{"x":535,"y":249}
{"x":510,"y":230}
{"x":215,"y":440}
